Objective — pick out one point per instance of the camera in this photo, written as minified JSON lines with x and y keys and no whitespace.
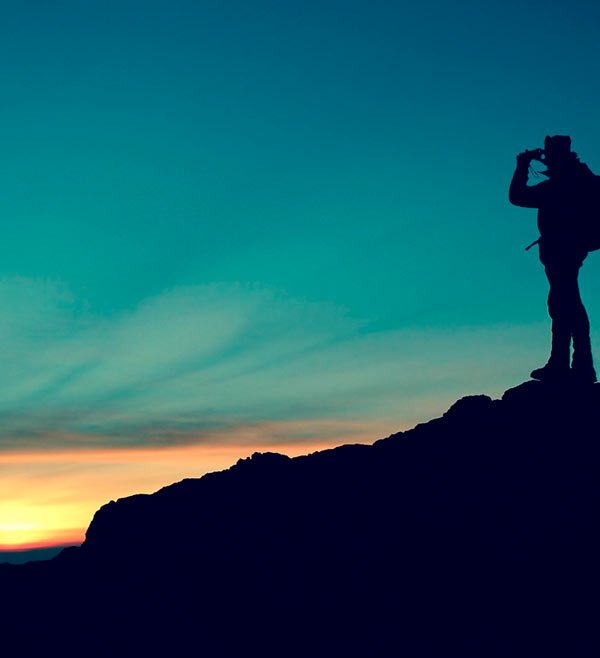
{"x":537,"y":154}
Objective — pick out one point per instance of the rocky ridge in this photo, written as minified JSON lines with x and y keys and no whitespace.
{"x":475,"y":534}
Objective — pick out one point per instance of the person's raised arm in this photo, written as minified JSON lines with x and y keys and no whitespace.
{"x":519,"y":193}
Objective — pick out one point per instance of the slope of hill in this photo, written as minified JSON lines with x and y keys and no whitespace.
{"x":475,"y":534}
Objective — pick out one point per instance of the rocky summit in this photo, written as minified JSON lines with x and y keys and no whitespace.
{"x":475,"y":534}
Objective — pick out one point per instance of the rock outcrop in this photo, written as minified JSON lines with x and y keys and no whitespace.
{"x":475,"y":534}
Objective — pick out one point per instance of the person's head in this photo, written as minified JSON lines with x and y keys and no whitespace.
{"x":557,"y":152}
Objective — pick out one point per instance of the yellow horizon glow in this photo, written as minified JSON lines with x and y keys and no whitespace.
{"x":48,"y":498}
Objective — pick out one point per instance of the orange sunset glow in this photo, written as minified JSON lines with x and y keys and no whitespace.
{"x":49,"y":498}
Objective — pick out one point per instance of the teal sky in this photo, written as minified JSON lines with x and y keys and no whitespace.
{"x":221,"y":213}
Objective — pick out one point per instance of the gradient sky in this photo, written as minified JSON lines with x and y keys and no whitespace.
{"x":239,"y":224}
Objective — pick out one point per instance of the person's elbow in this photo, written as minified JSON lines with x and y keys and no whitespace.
{"x":517,"y":198}
{"x":514,"y":197}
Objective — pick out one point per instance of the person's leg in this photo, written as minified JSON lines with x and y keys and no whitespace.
{"x":583,"y":363}
{"x":558,"y":309}
{"x":569,"y":319}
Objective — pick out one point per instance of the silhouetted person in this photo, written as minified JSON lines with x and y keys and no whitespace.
{"x":563,"y":209}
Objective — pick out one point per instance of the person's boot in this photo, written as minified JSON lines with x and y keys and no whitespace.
{"x":551,"y":372}
{"x":582,"y":370}
{"x":557,"y":368}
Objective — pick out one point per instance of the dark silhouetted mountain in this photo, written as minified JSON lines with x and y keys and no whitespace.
{"x":31,"y":555}
{"x":475,"y":534}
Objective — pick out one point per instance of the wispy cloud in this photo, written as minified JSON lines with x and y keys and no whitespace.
{"x":196,"y":363}
{"x":96,"y":407}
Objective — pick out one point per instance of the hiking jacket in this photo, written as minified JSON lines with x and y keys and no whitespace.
{"x":562,"y":202}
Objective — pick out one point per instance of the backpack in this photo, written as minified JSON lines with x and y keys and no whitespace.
{"x":589,"y":214}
